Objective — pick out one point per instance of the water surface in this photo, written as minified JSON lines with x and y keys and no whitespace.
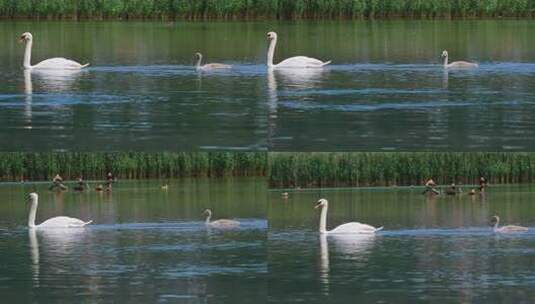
{"x":432,"y":250}
{"x":145,"y":245}
{"x":385,"y":90}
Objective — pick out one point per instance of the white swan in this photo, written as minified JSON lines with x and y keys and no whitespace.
{"x":506,"y":229}
{"x":55,"y":222}
{"x":209,"y":66}
{"x":52,"y":63}
{"x":353,"y":227}
{"x":222,"y":223}
{"x":457,"y":64}
{"x":293,"y":62}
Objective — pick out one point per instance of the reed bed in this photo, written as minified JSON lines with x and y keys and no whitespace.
{"x":130,"y":165}
{"x":264,"y":9}
{"x":290,"y":170}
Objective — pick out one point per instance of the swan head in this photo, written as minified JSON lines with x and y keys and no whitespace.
{"x":272,"y":36}
{"x":25,"y":37}
{"x":444,"y":53}
{"x":207,"y":212}
{"x":493,"y":220}
{"x":198,"y":55}
{"x":321,"y":203}
{"x":32,"y":197}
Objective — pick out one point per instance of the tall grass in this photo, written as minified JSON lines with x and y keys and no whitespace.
{"x":385,"y":169}
{"x":130,"y":165}
{"x":272,"y":9}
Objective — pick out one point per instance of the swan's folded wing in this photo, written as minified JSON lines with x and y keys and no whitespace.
{"x":58,"y":63}
{"x":300,"y":62}
{"x":354,"y":227}
{"x":62,"y":222}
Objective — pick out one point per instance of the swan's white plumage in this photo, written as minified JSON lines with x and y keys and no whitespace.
{"x":348,"y":228}
{"x":355,"y":227}
{"x":293,"y":62}
{"x":221,"y":224}
{"x":301,"y":62}
{"x":55,"y":222}
{"x":457,"y":64}
{"x":58,"y":63}
{"x":209,"y":66}
{"x":508,"y":228}
{"x":62,"y":222}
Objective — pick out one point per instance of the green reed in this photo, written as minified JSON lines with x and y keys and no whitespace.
{"x":272,"y":9}
{"x":130,"y":165}
{"x":355,"y":169}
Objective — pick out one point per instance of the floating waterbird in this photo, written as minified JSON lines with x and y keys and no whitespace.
{"x":457,"y":64}
{"x":222,"y":223}
{"x":506,"y":229}
{"x":353,"y":227}
{"x":293,"y":62}
{"x":57,"y":63}
{"x":55,"y":222}
{"x":209,"y":66}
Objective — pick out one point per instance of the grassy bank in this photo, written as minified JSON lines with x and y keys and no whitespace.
{"x":289,"y":170}
{"x":135,"y":165}
{"x":263,"y":9}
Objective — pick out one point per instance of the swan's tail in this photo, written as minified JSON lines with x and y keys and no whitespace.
{"x":85,"y":65}
{"x":326,"y":63}
{"x":379,"y":229}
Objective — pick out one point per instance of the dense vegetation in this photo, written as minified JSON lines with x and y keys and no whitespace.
{"x":386,"y":169}
{"x":262,"y":9}
{"x":133,"y":165}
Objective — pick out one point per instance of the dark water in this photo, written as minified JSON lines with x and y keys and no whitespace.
{"x":145,"y":245}
{"x":385,"y":89}
{"x":432,"y":250}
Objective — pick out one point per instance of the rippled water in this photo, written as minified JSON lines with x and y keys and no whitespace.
{"x":145,"y":244}
{"x":432,"y":250}
{"x":385,"y":89}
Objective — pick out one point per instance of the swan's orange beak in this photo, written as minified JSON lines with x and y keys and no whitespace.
{"x":317,"y":206}
{"x":21,"y":39}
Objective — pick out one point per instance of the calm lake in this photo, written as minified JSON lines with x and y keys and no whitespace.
{"x":145,"y":244}
{"x":430,"y":251}
{"x":385,"y":89}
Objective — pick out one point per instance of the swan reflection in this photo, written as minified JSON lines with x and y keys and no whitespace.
{"x":58,"y":244}
{"x":34,"y":254}
{"x":445,"y":79}
{"x":354,"y":247}
{"x":291,"y":78}
{"x":56,"y":80}
{"x":28,"y":91}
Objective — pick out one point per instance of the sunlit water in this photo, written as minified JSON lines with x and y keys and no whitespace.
{"x":431,"y":250}
{"x":145,"y":245}
{"x":385,"y":90}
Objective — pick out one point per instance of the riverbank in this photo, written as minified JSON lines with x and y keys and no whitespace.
{"x":130,"y":165}
{"x":312,"y":170}
{"x":264,"y":9}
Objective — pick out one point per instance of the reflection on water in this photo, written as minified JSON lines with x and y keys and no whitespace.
{"x":145,"y":244}
{"x":440,"y":250}
{"x":384,"y":91}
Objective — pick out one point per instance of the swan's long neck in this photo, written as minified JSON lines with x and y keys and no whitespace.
{"x":28,"y":55}
{"x":198,"y":64}
{"x":271,"y":52}
{"x":31,"y":217}
{"x":496,"y":224}
{"x":208,"y":217}
{"x":446,"y":61}
{"x":323,"y":219}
